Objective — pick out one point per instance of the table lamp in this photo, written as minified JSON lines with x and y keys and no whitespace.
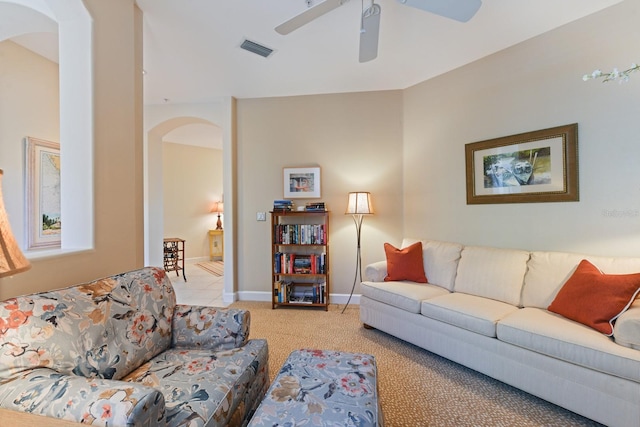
{"x":12,"y":260}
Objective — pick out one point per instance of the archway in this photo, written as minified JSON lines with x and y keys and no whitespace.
{"x":159,"y":121}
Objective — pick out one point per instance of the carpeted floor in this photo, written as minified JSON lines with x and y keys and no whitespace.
{"x":214,"y":267}
{"x":417,"y":388}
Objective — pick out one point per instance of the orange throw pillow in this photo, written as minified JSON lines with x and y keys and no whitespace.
{"x":405,"y":264}
{"x":596,"y":299}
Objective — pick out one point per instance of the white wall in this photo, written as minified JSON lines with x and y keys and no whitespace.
{"x":192,"y":182}
{"x":531,"y":86}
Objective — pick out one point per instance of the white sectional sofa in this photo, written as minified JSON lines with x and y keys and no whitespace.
{"x":486,"y":308}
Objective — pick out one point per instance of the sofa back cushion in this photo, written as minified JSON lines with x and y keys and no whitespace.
{"x":102,"y":329}
{"x":440,"y":261}
{"x":492,"y":273}
{"x":548,"y":272}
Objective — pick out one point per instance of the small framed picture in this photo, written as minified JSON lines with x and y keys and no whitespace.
{"x":301,"y":183}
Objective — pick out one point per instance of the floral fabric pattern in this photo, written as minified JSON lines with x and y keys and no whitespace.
{"x":62,"y":351}
{"x":322,"y":388}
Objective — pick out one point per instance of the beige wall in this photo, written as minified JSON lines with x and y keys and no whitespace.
{"x":534,"y":85}
{"x":192,"y":182}
{"x":117,"y":148}
{"x":355,"y":138}
{"x":29,"y":106}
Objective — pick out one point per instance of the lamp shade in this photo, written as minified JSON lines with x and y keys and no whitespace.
{"x":359,"y":203}
{"x":12,"y":261}
{"x":218,"y":207}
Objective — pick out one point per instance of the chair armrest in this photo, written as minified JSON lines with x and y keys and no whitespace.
{"x":209,"y":327}
{"x":83,"y":400}
{"x":375,"y":272}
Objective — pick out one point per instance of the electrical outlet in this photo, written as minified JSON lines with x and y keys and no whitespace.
{"x":261,"y":216}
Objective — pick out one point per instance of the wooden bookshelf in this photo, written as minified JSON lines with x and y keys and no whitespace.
{"x":300,"y":259}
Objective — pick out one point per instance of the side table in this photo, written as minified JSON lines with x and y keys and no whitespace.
{"x":216,"y":244}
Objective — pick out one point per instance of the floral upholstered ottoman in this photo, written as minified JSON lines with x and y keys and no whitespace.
{"x":322,"y":388}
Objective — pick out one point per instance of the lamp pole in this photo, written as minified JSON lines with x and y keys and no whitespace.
{"x":357,"y":219}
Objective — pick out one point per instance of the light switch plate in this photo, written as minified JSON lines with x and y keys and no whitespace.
{"x":261,"y":216}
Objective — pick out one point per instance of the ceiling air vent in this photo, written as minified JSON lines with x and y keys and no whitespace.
{"x":256,"y":48}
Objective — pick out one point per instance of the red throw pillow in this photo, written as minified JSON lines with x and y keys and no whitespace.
{"x":405,"y":264}
{"x":596,"y":299}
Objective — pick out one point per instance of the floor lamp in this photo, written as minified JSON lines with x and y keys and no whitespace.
{"x":12,"y":261}
{"x":359,"y":204}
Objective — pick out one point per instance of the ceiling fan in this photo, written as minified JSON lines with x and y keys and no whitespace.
{"x":459,"y":10}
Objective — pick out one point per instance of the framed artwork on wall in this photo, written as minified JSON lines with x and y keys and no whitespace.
{"x":44,"y":222}
{"x":301,"y":183}
{"x":538,"y":166}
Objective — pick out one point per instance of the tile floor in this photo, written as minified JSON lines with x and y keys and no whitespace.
{"x":201,"y":288}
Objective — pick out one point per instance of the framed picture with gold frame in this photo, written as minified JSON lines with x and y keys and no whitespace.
{"x":538,"y":166}
{"x":44,"y":222}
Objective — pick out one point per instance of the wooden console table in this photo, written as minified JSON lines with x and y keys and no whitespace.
{"x":216,"y":244}
{"x":174,"y":256}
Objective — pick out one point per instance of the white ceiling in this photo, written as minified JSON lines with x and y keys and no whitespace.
{"x":192,"y":53}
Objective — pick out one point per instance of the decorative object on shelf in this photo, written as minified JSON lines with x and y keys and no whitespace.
{"x":615,"y":74}
{"x":302,"y":183}
{"x":359,"y":204}
{"x":12,"y":260}
{"x":43,"y":220}
{"x":218,"y":208}
{"x":538,"y":166}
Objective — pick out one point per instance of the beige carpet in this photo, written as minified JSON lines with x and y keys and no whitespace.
{"x":214,"y":267}
{"x":417,"y":388}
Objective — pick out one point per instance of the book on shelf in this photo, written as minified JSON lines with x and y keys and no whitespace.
{"x":315,"y":207}
{"x":282,"y":205}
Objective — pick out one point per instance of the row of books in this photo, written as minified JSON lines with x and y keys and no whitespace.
{"x":315,"y":207}
{"x":282,"y":205}
{"x":291,"y":293}
{"x":287,"y":263}
{"x":300,"y":234}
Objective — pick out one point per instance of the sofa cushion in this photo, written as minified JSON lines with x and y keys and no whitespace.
{"x":553,"y":335}
{"x":405,"y":263}
{"x":492,"y":273}
{"x":440,"y":261}
{"x":405,"y":295}
{"x":476,"y":314}
{"x":203,"y":387}
{"x":548,"y":271}
{"x":596,"y":299}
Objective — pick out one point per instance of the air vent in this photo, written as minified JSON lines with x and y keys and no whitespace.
{"x":256,"y":48}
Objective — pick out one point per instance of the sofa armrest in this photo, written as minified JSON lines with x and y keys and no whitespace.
{"x":209,"y":327}
{"x":376,"y":272}
{"x":83,"y":400}
{"x":626,"y":330}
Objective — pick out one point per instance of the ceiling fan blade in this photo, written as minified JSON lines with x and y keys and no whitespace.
{"x":369,"y":33}
{"x":308,"y":16}
{"x":460,"y":10}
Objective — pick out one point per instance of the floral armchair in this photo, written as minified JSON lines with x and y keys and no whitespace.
{"x":119,"y":352}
